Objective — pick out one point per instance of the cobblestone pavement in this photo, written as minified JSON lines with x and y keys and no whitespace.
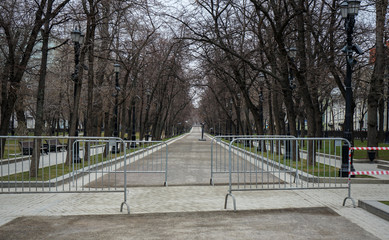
{"x":198,"y":198}
{"x":150,"y":200}
{"x":307,"y":223}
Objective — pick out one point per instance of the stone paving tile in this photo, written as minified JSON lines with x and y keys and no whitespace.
{"x":191,"y":199}
{"x":334,"y":199}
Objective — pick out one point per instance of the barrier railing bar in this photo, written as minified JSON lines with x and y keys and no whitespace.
{"x":318,"y":177}
{"x":16,"y":178}
{"x":218,"y":162}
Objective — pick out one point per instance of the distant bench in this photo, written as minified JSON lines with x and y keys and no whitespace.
{"x":54,"y":145}
{"x":27,"y":147}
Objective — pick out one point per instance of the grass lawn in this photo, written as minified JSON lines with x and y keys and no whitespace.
{"x":11,"y":148}
{"x":54,"y":171}
{"x":329,"y":147}
{"x":382,"y":155}
{"x":319,"y":169}
{"x":385,"y":202}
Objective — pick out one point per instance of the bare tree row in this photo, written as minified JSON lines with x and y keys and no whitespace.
{"x":39,"y":75}
{"x":277,"y":62}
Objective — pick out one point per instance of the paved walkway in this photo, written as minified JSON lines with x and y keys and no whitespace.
{"x":57,"y":209}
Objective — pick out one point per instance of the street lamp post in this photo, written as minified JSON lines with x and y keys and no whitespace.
{"x":387,"y":117}
{"x":238,"y":115}
{"x":115,"y":148}
{"x":13,"y":124}
{"x":227,"y":119}
{"x":349,"y":9}
{"x":77,"y":38}
{"x":261,"y":99}
{"x":288,"y":148}
{"x":231,"y":102}
{"x":133,"y":135}
{"x":202,"y":132}
{"x":326,"y":119}
{"x":148,"y":95}
{"x":179,"y":128}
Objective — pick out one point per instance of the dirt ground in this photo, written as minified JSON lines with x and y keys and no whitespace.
{"x":307,"y":223}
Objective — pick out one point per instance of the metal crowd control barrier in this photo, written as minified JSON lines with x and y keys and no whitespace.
{"x":220,"y":148}
{"x":351,"y":149}
{"x":151,"y":157}
{"x":312,"y":163}
{"x":44,"y":164}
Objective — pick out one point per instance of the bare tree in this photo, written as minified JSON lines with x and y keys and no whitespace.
{"x":376,"y":82}
{"x":20,"y":43}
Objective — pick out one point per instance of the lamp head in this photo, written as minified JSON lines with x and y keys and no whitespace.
{"x":353,"y":7}
{"x":344,"y":9}
{"x":75,"y":35}
{"x":81,"y":38}
{"x":116,"y":67}
{"x":292,"y":52}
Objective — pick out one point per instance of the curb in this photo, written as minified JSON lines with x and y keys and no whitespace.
{"x":379,"y":209}
{"x":383,"y":167}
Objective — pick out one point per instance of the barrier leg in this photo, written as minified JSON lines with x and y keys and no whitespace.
{"x":128,"y":207}
{"x":296,"y":178}
{"x":344,"y":201}
{"x":349,"y":195}
{"x":233,"y":201}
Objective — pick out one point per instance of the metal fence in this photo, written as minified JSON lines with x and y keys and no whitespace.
{"x":220,"y":152}
{"x":53,"y":164}
{"x":30,"y":164}
{"x":284,"y":164}
{"x":150,"y":161}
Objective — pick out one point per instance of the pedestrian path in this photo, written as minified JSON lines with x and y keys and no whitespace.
{"x":189,"y":191}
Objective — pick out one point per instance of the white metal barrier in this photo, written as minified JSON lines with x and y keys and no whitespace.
{"x":52,"y":164}
{"x":367,"y":173}
{"x":47,"y":164}
{"x":309,"y":163}
{"x":220,"y":148}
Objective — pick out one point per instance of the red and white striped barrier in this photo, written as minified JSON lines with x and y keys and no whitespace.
{"x":369,"y":148}
{"x":366,"y":172}
{"x":370,"y":173}
{"x":361,"y":172}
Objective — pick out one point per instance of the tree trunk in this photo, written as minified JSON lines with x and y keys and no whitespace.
{"x":90,"y":111}
{"x":20,"y":115}
{"x":271,"y":118}
{"x":39,"y":121}
{"x":376,"y":82}
{"x":107,"y":130}
{"x":381,"y":107}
